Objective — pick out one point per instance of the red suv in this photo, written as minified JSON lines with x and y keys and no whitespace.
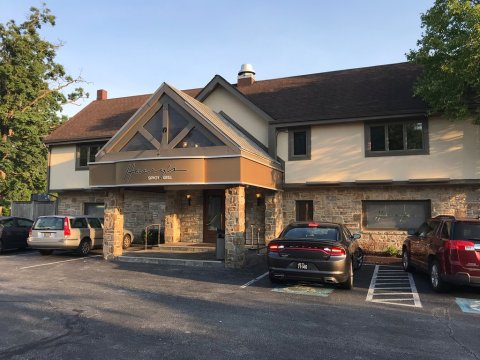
{"x":447,"y":248}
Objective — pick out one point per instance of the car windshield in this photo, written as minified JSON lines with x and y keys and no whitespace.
{"x":466,"y":231}
{"x":315,"y":233}
{"x":49,"y":223}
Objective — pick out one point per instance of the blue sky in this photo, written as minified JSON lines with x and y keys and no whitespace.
{"x":131,"y":47}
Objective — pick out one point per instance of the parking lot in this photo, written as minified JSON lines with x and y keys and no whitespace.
{"x":64,"y":306}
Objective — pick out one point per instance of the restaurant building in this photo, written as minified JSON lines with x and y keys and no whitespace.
{"x":245,"y":159}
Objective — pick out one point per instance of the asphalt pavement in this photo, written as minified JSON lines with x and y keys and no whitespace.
{"x":66,"y":307}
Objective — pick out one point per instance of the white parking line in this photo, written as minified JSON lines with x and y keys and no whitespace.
{"x":58,"y":262}
{"x":392,"y":280}
{"x":254,"y":280}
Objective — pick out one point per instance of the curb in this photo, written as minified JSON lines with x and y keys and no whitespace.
{"x":166,"y":261}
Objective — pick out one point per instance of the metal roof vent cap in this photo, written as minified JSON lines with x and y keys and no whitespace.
{"x":246,"y":70}
{"x":246,"y":75}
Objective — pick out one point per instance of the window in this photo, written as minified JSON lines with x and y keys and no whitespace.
{"x":85,"y":154}
{"x":304,"y":210}
{"x":95,"y":223}
{"x":78,"y":223}
{"x":299,"y":144}
{"x":94,"y":209}
{"x":396,"y":138}
{"x":394,"y":214}
{"x":24,"y":223}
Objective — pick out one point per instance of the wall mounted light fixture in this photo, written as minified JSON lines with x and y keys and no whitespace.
{"x":189,"y":199}
{"x":259,"y":199}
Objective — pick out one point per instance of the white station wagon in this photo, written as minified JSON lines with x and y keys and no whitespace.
{"x":79,"y":233}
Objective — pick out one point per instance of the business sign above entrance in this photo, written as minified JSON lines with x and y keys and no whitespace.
{"x":148,"y":172}
{"x":184,"y":171}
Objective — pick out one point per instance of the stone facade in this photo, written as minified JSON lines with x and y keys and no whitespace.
{"x":113,"y":225}
{"x":273,"y":215}
{"x":345,"y":205}
{"x":184,"y":218}
{"x":254,"y":217}
{"x":235,"y":227}
{"x":73,"y":202}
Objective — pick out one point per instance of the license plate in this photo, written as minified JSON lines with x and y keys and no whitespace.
{"x":477,"y":247}
{"x":302,"y":266}
{"x":47,"y":235}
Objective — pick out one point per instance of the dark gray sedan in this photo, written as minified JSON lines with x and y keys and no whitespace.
{"x":14,"y":232}
{"x":319,"y":252}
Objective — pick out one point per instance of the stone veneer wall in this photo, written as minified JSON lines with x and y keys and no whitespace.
{"x":235,"y":227}
{"x":72,"y":202}
{"x":345,"y":205}
{"x":254,"y":215}
{"x":191,"y":216}
{"x":141,"y":209}
{"x":113,"y":225}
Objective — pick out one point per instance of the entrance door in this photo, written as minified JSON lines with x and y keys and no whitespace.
{"x":213,"y":214}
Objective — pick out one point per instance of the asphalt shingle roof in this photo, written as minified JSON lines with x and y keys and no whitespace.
{"x":347,"y":94}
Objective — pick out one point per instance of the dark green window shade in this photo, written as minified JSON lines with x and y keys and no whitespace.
{"x":196,"y":139}
{"x":176,"y":123}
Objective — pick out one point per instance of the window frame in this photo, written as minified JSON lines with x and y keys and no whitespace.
{"x":427,"y":206}
{"x":291,"y":144}
{"x":77,"y":154}
{"x":425,"y":138}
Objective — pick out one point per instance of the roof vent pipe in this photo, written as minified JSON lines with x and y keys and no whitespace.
{"x":246,"y":75}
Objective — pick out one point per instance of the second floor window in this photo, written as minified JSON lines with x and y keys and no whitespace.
{"x":299,"y":144}
{"x":85,"y":154}
{"x":396,"y":138}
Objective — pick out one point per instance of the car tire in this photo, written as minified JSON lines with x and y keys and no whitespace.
{"x":45,"y":252}
{"x":348,"y":285}
{"x":436,"y":281}
{"x":127,"y":241}
{"x":84,"y":247}
{"x":358,"y":259}
{"x":406,"y":264}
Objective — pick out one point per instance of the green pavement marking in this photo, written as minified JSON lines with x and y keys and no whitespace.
{"x":469,"y":305}
{"x":304,"y":290}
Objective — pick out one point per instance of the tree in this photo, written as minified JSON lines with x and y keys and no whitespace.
{"x":31,"y":85}
{"x":449,"y":52}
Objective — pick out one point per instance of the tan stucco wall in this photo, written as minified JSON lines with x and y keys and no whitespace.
{"x":63,"y":175}
{"x":221,"y":100}
{"x":338,"y":155}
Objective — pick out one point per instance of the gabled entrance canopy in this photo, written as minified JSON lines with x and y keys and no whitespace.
{"x":174,"y":140}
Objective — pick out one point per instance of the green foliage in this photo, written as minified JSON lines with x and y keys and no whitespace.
{"x":153,"y":236}
{"x":391,"y":251}
{"x":31,"y":85}
{"x":449,"y":51}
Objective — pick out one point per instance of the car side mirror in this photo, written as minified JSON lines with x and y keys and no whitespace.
{"x":412,"y":232}
{"x":356,"y":236}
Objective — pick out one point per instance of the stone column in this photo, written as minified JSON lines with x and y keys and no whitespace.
{"x":235,"y":227}
{"x":113,"y":225}
{"x":273,"y":215}
{"x":172,"y":217}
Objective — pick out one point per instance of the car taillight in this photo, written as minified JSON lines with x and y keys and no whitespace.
{"x":312,"y":224}
{"x":66,"y":227}
{"x":462,"y":245}
{"x":30,"y":232}
{"x":334,"y":251}
{"x":274,"y":247}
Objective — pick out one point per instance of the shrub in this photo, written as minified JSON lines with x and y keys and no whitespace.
{"x":391,"y":250}
{"x":153,"y":236}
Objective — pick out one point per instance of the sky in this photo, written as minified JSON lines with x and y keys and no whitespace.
{"x":132,"y":47}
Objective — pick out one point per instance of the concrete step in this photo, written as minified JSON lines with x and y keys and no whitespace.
{"x":185,"y":248}
{"x":172,"y":262}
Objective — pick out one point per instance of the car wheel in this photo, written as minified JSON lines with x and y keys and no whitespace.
{"x":407,"y":266}
{"x":84,"y":247}
{"x":348,"y":285}
{"x":45,"y":252}
{"x":127,"y":241}
{"x":358,"y":259}
{"x":435,"y":278}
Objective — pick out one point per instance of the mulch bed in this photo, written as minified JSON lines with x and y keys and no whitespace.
{"x":382,"y":260}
